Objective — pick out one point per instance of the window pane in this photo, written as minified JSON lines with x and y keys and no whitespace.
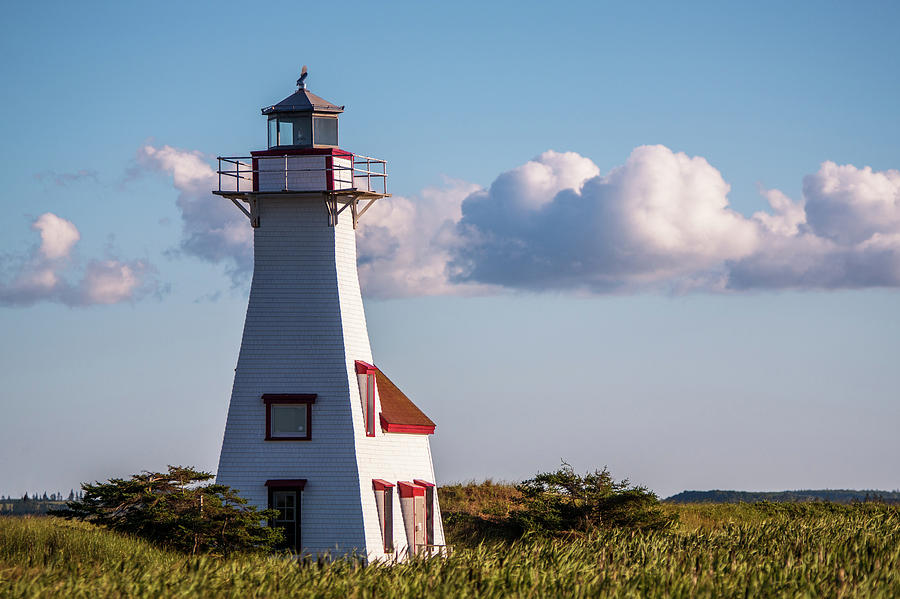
{"x":289,"y":421}
{"x":273,"y":133}
{"x":284,"y":503}
{"x":285,"y":514}
{"x":325,"y":131}
{"x":284,"y":500}
{"x":302,"y":131}
{"x":285,"y":132}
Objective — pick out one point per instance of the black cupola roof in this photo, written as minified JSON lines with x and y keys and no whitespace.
{"x":303,"y":100}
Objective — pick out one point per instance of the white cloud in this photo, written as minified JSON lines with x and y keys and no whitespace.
{"x":43,"y":274}
{"x":57,"y":235}
{"x":786,"y":217}
{"x":109,"y":281}
{"x":212,"y":228}
{"x":845,"y":234}
{"x":661,"y":218}
{"x":850,"y":205}
{"x":660,"y":221}
{"x":535,"y":183}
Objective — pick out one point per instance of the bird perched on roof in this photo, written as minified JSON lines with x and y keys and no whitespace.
{"x":301,"y":82}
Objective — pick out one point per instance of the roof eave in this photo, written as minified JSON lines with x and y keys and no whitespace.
{"x":409,"y":429}
{"x":314,"y":110}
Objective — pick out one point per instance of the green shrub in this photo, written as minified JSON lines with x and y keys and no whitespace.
{"x":564,"y":501}
{"x":175,"y":510}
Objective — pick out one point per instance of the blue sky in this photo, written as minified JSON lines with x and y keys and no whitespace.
{"x":726,"y":351}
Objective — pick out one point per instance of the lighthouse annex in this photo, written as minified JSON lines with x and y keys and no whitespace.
{"x":315,"y":429}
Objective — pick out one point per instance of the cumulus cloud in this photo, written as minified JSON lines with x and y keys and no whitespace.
{"x":660,"y":221}
{"x":44,"y":273}
{"x":844,"y":234}
{"x":212,"y":229}
{"x":661,"y":217}
{"x":851,"y":205}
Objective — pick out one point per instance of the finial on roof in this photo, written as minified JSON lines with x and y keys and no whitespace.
{"x":301,"y":82}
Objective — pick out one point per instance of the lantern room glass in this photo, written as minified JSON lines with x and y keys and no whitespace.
{"x":290,"y":131}
{"x":325,"y":131}
{"x":273,"y":133}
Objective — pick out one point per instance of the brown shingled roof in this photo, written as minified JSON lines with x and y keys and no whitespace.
{"x":397,"y":411}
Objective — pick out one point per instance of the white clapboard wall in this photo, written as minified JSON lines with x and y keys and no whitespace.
{"x":305,"y":328}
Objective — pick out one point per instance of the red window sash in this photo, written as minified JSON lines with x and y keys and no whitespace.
{"x":370,"y":405}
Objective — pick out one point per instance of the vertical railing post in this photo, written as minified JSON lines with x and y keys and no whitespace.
{"x":220,"y":174}
{"x":285,"y":172}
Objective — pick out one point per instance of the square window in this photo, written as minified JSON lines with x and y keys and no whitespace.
{"x":288,"y":420}
{"x":288,"y":416}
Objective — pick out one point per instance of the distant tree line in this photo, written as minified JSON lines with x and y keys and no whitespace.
{"x":845,"y":496}
{"x":58,"y":496}
{"x":35,"y":503}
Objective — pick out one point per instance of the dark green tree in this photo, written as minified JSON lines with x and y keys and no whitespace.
{"x":564,"y":501}
{"x":177,"y":509}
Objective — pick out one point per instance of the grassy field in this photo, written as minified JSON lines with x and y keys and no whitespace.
{"x":738,"y":550}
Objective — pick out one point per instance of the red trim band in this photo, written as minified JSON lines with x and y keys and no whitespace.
{"x":423,"y":483}
{"x":283,"y":151}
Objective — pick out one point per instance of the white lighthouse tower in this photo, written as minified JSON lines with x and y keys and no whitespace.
{"x":314,"y":429}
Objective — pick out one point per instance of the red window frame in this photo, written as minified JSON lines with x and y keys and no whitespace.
{"x":429,"y":509}
{"x":368,"y":399}
{"x":307,"y":399}
{"x":387,"y":517}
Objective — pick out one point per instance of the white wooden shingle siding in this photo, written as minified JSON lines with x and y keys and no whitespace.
{"x":343,"y":173}
{"x":304,"y":330}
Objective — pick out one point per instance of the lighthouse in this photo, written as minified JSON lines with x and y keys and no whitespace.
{"x":315,"y":429}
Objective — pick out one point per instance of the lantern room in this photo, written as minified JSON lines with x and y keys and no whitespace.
{"x":303,"y":160}
{"x":303,"y":120}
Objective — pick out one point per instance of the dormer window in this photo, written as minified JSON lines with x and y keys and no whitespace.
{"x":398,"y":414}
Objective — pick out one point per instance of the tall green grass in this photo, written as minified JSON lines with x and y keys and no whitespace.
{"x":718,"y":551}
